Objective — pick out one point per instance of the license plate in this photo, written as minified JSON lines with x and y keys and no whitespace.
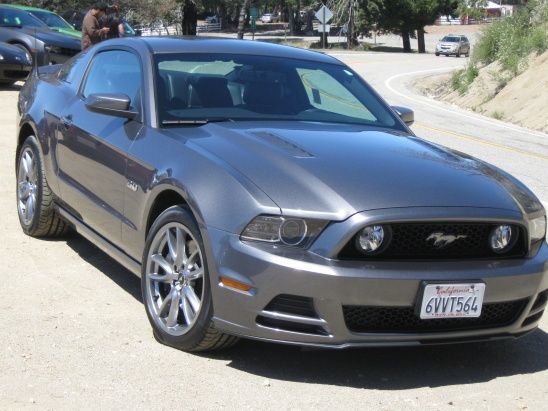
{"x":452,"y":300}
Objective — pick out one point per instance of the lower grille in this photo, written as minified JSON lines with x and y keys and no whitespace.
{"x":366,"y":319}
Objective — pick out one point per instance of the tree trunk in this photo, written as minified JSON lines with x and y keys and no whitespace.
{"x":241,"y":19}
{"x":406,"y":41}
{"x":190,"y":19}
{"x":420,"y":40}
{"x":350,"y":28}
{"x":291,"y":20}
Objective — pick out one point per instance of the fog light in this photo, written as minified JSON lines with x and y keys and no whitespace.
{"x":501,"y":239}
{"x":371,"y":238}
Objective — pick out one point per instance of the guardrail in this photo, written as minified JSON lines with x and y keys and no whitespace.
{"x":206,"y":28}
{"x":159,"y":31}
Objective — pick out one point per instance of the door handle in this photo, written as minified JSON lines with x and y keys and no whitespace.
{"x":67,"y":121}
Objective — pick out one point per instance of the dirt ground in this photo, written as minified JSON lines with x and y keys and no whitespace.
{"x":74,"y":335}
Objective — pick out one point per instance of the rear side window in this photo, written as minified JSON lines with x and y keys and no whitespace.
{"x":114,"y":72}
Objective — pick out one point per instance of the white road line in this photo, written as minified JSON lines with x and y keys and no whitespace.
{"x":438,"y":107}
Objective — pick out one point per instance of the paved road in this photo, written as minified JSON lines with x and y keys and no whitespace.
{"x":74,"y":333}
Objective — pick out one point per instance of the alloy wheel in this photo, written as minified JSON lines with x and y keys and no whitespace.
{"x":174,"y":279}
{"x":27,"y":186}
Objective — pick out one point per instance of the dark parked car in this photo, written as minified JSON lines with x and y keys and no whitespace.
{"x":19,"y":27}
{"x":268,"y":192}
{"x":15,"y":64}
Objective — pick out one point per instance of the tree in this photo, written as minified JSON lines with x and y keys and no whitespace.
{"x":405,"y":17}
{"x":471,"y":9}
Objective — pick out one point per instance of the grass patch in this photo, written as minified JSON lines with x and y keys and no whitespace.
{"x":498,"y":115}
{"x":461,"y":79}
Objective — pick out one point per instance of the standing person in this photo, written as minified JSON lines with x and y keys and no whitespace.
{"x":91,"y":31}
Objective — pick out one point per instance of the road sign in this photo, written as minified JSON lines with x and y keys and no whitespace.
{"x":324,"y":15}
{"x":253,"y":12}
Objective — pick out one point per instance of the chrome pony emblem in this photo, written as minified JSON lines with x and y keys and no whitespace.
{"x":442,"y":240}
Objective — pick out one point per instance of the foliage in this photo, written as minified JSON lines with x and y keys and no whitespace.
{"x":512,"y":39}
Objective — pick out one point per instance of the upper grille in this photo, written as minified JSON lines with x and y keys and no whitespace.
{"x":409,"y":241}
{"x":365,"y":319}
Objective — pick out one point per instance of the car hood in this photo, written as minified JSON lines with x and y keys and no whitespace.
{"x":54,"y":38}
{"x":337,"y":170}
{"x":69,"y":32}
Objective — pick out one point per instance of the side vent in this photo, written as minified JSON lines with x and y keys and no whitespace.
{"x":292,"y":313}
{"x":537,"y":309}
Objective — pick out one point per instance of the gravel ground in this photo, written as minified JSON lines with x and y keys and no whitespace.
{"x":74,"y":335}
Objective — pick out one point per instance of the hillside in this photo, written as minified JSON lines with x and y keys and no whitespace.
{"x":521,"y":99}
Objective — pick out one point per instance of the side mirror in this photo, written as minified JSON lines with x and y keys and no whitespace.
{"x":406,"y":114}
{"x":117,"y":105}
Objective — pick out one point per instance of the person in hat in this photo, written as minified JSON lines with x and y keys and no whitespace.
{"x":92,"y":33}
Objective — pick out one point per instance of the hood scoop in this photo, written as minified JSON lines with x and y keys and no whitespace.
{"x":281,"y":144}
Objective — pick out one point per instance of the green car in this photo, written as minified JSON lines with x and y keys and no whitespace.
{"x":52,"y":20}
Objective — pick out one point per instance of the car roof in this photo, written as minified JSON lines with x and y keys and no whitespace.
{"x":28,"y":8}
{"x":192,"y":44}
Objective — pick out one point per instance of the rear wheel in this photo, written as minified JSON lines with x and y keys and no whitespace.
{"x":175,"y":285}
{"x":34,"y":197}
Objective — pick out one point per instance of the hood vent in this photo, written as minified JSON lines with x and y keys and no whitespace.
{"x":280,"y":143}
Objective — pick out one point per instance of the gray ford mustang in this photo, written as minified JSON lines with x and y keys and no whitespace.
{"x":268,"y":192}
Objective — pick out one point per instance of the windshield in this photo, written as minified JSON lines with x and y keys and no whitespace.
{"x":18,"y":18}
{"x":244,"y":87}
{"x":451,"y":39}
{"x":52,"y":19}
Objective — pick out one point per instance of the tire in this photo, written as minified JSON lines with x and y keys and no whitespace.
{"x":34,"y":197}
{"x":167,"y":278}
{"x":437,"y":54}
{"x":457,"y":55}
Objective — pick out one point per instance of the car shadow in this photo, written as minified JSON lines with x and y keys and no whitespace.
{"x":397,"y":368}
{"x":394,"y":368}
{"x":12,"y":87}
{"x":110,"y":268}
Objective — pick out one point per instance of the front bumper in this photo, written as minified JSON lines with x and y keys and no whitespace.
{"x":14,"y":71}
{"x":447,"y":51}
{"x":332,"y":284}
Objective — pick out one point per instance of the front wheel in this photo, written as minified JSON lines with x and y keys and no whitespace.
{"x":175,"y":285}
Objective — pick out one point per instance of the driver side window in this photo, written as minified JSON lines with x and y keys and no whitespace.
{"x":115,"y":72}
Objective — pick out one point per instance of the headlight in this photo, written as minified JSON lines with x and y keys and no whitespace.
{"x":373,"y":239}
{"x":1,"y":57}
{"x":537,"y":228}
{"x":283,"y":230}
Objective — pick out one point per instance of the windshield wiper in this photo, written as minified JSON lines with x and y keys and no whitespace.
{"x":196,"y":122}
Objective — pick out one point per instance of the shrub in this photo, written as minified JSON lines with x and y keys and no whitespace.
{"x":513,"y":38}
